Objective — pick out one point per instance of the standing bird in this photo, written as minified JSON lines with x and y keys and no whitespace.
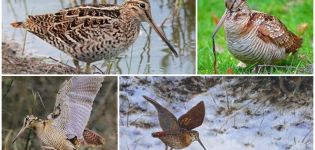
{"x":254,"y":37}
{"x":91,"y":33}
{"x":178,"y":133}
{"x":65,"y":127}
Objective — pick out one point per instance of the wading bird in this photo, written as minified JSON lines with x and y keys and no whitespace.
{"x":65,"y":127}
{"x":91,"y":33}
{"x":254,"y":37}
{"x":178,"y":133}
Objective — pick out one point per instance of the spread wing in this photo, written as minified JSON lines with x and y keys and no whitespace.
{"x":168,"y":121}
{"x":273,"y":30}
{"x":193,"y":118}
{"x":74,"y":104}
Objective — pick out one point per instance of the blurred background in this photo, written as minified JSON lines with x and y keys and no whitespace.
{"x":148,"y":55}
{"x":297,"y":15}
{"x":21,"y":96}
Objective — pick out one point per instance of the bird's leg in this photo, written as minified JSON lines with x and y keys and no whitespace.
{"x":77,"y":66}
{"x":165,"y":147}
{"x":88,"y":68}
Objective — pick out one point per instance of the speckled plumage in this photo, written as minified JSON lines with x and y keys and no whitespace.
{"x":90,"y":33}
{"x":255,"y":37}
{"x":178,"y":133}
{"x":65,"y":127}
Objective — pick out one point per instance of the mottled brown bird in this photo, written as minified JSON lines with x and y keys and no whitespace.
{"x":65,"y":127}
{"x":254,"y":37}
{"x":91,"y":33}
{"x":178,"y":134}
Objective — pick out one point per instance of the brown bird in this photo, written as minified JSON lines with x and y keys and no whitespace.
{"x":254,"y":37}
{"x":65,"y":127}
{"x":178,"y":133}
{"x":91,"y":33}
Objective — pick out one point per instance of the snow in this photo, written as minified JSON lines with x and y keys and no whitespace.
{"x":250,"y":126}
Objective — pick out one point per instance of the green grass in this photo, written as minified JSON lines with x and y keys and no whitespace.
{"x":291,"y":12}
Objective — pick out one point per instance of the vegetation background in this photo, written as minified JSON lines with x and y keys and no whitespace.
{"x":20,"y":97}
{"x":297,"y":15}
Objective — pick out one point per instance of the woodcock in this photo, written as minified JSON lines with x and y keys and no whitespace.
{"x":91,"y":33}
{"x":254,"y":37}
{"x":65,"y":127}
{"x":178,"y":134}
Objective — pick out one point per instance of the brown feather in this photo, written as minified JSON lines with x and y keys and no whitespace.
{"x":92,"y":138}
{"x":273,"y":30}
{"x":17,"y":24}
{"x":159,"y":134}
{"x":193,"y":118}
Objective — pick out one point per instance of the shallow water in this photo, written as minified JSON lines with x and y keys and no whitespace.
{"x":148,"y":55}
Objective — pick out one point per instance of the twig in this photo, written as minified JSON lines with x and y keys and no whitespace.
{"x":9,"y":88}
{"x":60,"y":62}
{"x":215,"y":57}
{"x":99,"y":69}
{"x":307,"y":135}
{"x":42,"y":102}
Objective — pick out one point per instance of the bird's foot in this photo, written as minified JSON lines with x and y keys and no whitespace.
{"x":88,"y":68}
{"x":77,"y":66}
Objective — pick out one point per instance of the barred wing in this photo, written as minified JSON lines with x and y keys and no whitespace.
{"x":272,"y":30}
{"x":168,"y":121}
{"x":193,"y":118}
{"x":74,"y":104}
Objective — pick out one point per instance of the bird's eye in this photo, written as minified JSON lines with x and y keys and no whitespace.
{"x":142,"y":5}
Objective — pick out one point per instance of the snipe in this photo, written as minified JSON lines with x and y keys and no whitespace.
{"x":65,"y":127}
{"x":178,"y":133}
{"x":91,"y":33}
{"x":254,"y":37}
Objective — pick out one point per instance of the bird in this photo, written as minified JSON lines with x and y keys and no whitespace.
{"x":178,"y":134}
{"x":255,"y":37}
{"x":65,"y":127}
{"x":90,"y":33}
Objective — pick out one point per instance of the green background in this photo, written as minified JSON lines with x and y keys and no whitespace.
{"x":291,"y":12}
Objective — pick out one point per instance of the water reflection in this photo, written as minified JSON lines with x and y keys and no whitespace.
{"x":148,"y":55}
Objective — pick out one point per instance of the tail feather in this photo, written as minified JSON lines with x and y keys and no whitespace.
{"x":92,"y":138}
{"x":159,"y":134}
{"x":17,"y":24}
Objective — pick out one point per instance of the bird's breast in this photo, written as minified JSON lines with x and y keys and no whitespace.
{"x":54,"y":137}
{"x":177,"y":141}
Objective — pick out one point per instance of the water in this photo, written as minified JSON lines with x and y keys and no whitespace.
{"x":148,"y":55}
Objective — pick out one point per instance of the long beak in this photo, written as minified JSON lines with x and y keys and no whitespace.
{"x":201,"y":144}
{"x":213,"y":39}
{"x":160,"y":33}
{"x":220,"y":23}
{"x":20,"y":132}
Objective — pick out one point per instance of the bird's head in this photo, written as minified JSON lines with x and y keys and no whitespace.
{"x":141,"y":9}
{"x":235,"y":5}
{"x":29,"y":122}
{"x":195,"y":137}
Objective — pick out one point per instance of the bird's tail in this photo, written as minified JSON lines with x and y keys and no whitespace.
{"x":91,"y":138}
{"x":17,"y":24}
{"x":158,"y":134}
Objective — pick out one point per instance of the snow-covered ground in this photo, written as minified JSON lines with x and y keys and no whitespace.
{"x":237,"y":118}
